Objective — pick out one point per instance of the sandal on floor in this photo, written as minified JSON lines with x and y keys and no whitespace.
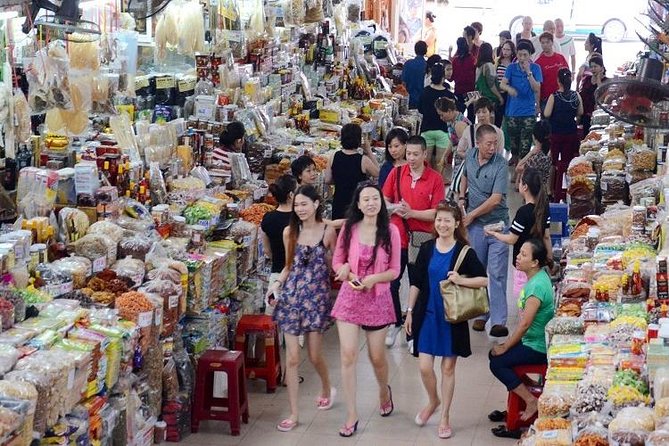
{"x":502,"y":432}
{"x":326,"y":403}
{"x":388,"y":407}
{"x":445,"y":432}
{"x":348,"y":431}
{"x":497,"y":416}
{"x":286,"y":425}
{"x":422,"y":422}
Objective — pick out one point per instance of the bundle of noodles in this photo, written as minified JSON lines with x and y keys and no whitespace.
{"x":22,"y":116}
{"x":84,"y":56}
{"x":191,"y":27}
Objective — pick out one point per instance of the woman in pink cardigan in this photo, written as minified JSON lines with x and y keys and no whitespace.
{"x":367,"y":259}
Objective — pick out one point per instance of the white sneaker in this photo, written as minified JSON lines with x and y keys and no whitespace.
{"x":391,"y":336}
{"x":410,"y":346}
{"x":300,"y":340}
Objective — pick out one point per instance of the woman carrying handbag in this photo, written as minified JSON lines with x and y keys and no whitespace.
{"x":433,"y":335}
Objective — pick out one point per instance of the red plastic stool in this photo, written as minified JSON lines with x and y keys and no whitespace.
{"x":205,"y":405}
{"x":270,"y":368}
{"x":515,"y":404}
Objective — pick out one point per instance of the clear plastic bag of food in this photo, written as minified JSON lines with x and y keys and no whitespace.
{"x":642,"y":158}
{"x":78,"y":268}
{"x":170,"y":380}
{"x":136,"y":246}
{"x":576,"y":290}
{"x":12,"y":295}
{"x":614,"y":186}
{"x":8,"y":357}
{"x":97,"y":249}
{"x":164,"y":273}
{"x":130,"y":268}
{"x":594,"y":435}
{"x":551,"y":424}
{"x":590,"y":397}
{"x":633,"y":419}
{"x":658,"y":438}
{"x":553,"y":438}
{"x":104,"y":87}
{"x":169,"y":294}
{"x":580,"y":166}
{"x":555,"y":401}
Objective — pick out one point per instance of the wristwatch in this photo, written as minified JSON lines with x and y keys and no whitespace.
{"x":409,"y":310}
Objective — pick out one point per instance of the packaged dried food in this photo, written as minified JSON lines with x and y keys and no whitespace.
{"x":628,"y":438}
{"x":107,"y":229}
{"x":594,"y":435}
{"x":633,"y":419}
{"x":579,"y":166}
{"x":576,"y":290}
{"x":138,"y":308}
{"x":6,"y":314}
{"x":662,"y":407}
{"x":555,"y":401}
{"x":130,"y":268}
{"x":589,"y":397}
{"x":170,"y":380}
{"x":98,"y":249}
{"x":661,"y":383}
{"x":634,"y":176}
{"x":564,"y":325}
{"x":12,"y":295}
{"x":164,"y":273}
{"x":658,"y":438}
{"x":550,"y":424}
{"x":76,"y":267}
{"x":553,"y":438}
{"x":613,"y":164}
{"x":136,"y":247}
{"x":8,"y":357}
{"x":72,"y":225}
{"x":169,"y":294}
{"x":642,"y":158}
{"x":614,"y":186}
{"x":641,"y":190}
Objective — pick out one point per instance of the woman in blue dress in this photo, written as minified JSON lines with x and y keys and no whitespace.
{"x":433,"y":335}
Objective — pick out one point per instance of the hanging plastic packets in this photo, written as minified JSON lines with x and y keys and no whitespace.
{"x":47,"y":76}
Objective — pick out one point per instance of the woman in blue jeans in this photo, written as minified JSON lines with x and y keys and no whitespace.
{"x":527,"y":345}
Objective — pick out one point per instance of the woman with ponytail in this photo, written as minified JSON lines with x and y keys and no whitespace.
{"x":539,"y":157}
{"x":304,"y":305}
{"x":433,"y":129}
{"x":532,"y":221}
{"x":563,"y":109}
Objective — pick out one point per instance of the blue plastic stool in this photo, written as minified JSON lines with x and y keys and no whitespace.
{"x":559,"y":216}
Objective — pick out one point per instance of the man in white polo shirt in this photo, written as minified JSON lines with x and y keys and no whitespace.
{"x":567,"y":47}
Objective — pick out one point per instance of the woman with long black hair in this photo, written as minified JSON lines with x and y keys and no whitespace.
{"x":305,"y":305}
{"x":396,"y":148}
{"x":532,"y":220}
{"x":367,"y":260}
{"x":486,"y":76}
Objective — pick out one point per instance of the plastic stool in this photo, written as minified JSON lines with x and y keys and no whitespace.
{"x":559,"y":213}
{"x":515,"y":404}
{"x":270,"y":368}
{"x":205,"y":405}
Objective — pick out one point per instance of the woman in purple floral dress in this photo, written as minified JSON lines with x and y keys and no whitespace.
{"x":305,"y":304}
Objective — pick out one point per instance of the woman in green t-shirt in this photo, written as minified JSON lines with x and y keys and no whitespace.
{"x":527,"y":345}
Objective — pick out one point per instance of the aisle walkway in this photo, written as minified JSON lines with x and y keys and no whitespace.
{"x":477,"y":393}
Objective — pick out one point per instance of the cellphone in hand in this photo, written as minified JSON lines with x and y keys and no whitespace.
{"x":355,"y":283}
{"x":271,"y":299}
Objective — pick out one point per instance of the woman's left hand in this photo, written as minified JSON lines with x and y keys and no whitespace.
{"x":454,"y":277}
{"x":498,"y":350}
{"x":368,"y":282}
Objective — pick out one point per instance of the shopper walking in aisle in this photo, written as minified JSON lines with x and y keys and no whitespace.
{"x":532,"y":220}
{"x":431,"y":61}
{"x":484,"y":110}
{"x":504,"y":36}
{"x":464,"y":72}
{"x":589,"y":84}
{"x":522,"y":81}
{"x":430,"y":34}
{"x":563,"y":110}
{"x":549,"y":27}
{"x":413,"y":74}
{"x":433,"y":336}
{"x":367,"y":260}
{"x":507,"y":57}
{"x":304,"y":170}
{"x":273,"y":225}
{"x":396,"y":147}
{"x":347,"y":167}
{"x":457,"y":123}
{"x":526,"y":33}
{"x":593,"y":45}
{"x":305,"y":304}
{"x":527,"y":344}
{"x":567,"y":47}
{"x":539,"y":157}
{"x":432,"y":128}
{"x":470,"y":35}
{"x":484,"y":184}
{"x":414,"y":190}
{"x":478,"y":27}
{"x":486,"y":75}
{"x":550,"y":63}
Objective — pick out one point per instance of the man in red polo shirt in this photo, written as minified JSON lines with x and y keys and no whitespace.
{"x":550,"y":63}
{"x":412,"y":208}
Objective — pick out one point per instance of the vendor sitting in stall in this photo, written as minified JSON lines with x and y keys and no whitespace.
{"x":527,"y":344}
{"x":231,"y":140}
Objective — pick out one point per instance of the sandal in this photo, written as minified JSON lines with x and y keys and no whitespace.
{"x":388,"y":407}
{"x":286,"y":425}
{"x":348,"y":431}
{"x":502,"y":432}
{"x":497,"y":416}
{"x":326,"y":403}
{"x":444,"y":432}
{"x":422,"y":422}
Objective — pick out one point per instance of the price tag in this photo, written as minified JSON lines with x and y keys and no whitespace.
{"x":159,"y":316}
{"x":380,"y":45}
{"x":164,"y":83}
{"x":65,"y":288}
{"x":187,"y":85}
{"x":141,"y":82}
{"x":145,"y":319}
{"x":173,"y":301}
{"x":99,"y":264}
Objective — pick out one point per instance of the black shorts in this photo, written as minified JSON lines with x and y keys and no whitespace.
{"x":373,"y":327}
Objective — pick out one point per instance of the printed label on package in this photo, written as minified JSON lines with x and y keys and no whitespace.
{"x":99,"y":264}
{"x":174,"y":301}
{"x":145,"y":319}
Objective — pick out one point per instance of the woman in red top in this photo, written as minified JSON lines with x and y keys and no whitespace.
{"x":464,"y":74}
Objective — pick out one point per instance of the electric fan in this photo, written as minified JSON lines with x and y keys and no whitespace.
{"x":64,"y":24}
{"x":143,"y":9}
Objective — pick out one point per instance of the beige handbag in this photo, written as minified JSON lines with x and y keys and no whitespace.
{"x":462,"y":303}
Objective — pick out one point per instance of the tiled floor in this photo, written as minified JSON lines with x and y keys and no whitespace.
{"x":477,"y":393}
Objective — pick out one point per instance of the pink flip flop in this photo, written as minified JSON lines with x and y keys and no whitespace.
{"x":286,"y":425}
{"x":445,"y":432}
{"x":326,"y":403}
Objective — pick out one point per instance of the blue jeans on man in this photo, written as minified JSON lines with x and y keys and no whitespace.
{"x":494,"y":255}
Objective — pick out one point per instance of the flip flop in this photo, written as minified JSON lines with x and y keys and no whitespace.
{"x":286,"y":425}
{"x":445,"y":432}
{"x":348,"y":431}
{"x":326,"y":403}
{"x":422,"y":422}
{"x":497,"y":416}
{"x":388,"y":407}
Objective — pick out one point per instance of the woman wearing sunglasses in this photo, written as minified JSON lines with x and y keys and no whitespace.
{"x":305,"y":305}
{"x":367,"y":260}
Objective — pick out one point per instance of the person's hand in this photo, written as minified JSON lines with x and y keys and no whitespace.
{"x":498,"y":350}
{"x":454,"y":277}
{"x":407,"y":323}
{"x":368,"y":282}
{"x":272,"y":293}
{"x":489,"y":233}
{"x":512,"y":91}
{"x":467,"y":220}
{"x":404,"y":210}
{"x":343,"y":273}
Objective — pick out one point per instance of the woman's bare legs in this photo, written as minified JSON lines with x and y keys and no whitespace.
{"x":348,"y":351}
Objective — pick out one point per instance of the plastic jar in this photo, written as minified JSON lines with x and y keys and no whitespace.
{"x":159,"y":432}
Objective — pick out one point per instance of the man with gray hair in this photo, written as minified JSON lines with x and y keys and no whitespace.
{"x":485,"y":179}
{"x":567,"y":47}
